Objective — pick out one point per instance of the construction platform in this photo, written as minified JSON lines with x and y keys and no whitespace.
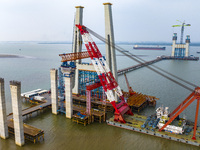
{"x":30,"y":133}
{"x":96,"y":114}
{"x":138,"y":101}
{"x":135,"y":122}
{"x":95,"y":102}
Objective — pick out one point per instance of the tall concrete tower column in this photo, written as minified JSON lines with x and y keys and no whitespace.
{"x":68,"y":97}
{"x":54,"y":90}
{"x":68,"y":74}
{"x":174,"y":39}
{"x":109,"y":35}
{"x":77,"y":45}
{"x":15,"y":88}
{"x":3,"y":116}
{"x":187,"y":44}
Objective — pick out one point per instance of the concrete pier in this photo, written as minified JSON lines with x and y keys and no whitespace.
{"x":54,"y":90}
{"x":68,"y":97}
{"x":109,"y":35}
{"x":15,"y":88}
{"x":77,"y":46}
{"x":3,"y":116}
{"x":68,"y":75}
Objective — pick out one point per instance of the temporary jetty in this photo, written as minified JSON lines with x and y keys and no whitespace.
{"x":159,"y":58}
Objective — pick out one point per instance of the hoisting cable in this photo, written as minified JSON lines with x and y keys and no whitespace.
{"x":130,"y":55}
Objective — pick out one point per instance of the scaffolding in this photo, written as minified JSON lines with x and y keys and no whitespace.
{"x":86,"y":78}
{"x":179,"y":52}
{"x":61,"y":91}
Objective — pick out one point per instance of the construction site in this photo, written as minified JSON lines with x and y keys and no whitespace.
{"x":89,"y":92}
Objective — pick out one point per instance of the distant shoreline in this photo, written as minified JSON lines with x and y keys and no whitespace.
{"x":9,"y":56}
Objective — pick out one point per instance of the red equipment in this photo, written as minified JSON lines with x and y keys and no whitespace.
{"x":74,"y":56}
{"x":131,"y":92}
{"x":193,"y":96}
{"x":106,"y":77}
{"x":89,"y":88}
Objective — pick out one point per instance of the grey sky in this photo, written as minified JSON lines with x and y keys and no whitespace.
{"x":134,"y":20}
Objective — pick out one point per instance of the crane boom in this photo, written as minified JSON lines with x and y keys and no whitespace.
{"x":74,"y":56}
{"x":131,"y":92}
{"x":105,"y":75}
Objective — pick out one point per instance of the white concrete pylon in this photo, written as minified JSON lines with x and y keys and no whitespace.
{"x":109,"y":32}
{"x":15,"y":88}
{"x":3,"y":116}
{"x":54,"y":90}
{"x":77,"y":46}
{"x":174,"y":39}
{"x":187,"y":45}
{"x":109,"y":35}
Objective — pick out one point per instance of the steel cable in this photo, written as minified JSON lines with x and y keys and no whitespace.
{"x":141,"y":61}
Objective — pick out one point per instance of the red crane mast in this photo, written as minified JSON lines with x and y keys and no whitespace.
{"x":106,"y":77}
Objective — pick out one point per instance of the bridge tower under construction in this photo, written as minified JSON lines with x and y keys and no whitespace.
{"x":180,"y":50}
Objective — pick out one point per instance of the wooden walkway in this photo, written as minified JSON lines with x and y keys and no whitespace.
{"x":34,"y":108}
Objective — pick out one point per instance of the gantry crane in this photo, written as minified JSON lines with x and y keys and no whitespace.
{"x":106,"y":77}
{"x":182,"y":29}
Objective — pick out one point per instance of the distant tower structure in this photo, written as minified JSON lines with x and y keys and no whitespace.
{"x":180,"y":50}
{"x":109,"y":35}
{"x":77,"y":46}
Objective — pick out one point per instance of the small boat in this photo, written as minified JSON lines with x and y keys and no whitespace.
{"x":198,"y":52}
{"x":148,"y":48}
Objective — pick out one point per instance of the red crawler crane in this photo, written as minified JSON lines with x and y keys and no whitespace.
{"x":193,"y":96}
{"x":106,"y":77}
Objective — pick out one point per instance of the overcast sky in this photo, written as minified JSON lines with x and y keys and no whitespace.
{"x":134,"y":20}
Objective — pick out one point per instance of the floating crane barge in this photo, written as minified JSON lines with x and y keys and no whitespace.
{"x":135,"y":122}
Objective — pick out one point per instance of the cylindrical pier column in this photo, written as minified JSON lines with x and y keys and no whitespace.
{"x":15,"y":88}
{"x":54,"y":90}
{"x":3,"y":116}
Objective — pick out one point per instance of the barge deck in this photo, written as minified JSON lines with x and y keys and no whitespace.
{"x":134,"y":123}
